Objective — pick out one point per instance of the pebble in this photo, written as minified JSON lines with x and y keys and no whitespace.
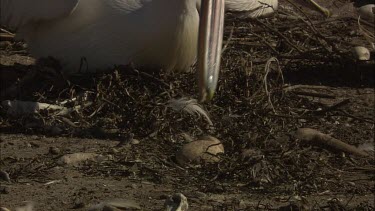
{"x":200,"y":195}
{"x":35,"y":145}
{"x":114,"y":150}
{"x":4,"y":176}
{"x":78,"y":204}
{"x":54,"y":150}
{"x":4,"y":190}
{"x":135,"y":141}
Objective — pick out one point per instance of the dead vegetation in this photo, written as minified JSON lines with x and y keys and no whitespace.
{"x":259,"y":105}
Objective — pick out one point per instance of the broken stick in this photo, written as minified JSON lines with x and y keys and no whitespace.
{"x":311,"y":135}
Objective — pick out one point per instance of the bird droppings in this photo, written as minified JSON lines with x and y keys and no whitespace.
{"x":324,"y":88}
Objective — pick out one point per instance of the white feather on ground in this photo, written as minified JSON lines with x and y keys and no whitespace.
{"x":190,"y":106}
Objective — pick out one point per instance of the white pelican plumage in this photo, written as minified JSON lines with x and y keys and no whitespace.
{"x":150,"y":33}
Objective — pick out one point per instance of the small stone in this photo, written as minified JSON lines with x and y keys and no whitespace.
{"x":78,"y":204}
{"x":114,"y":150}
{"x":54,"y":150}
{"x":200,"y":195}
{"x":34,"y":145}
{"x":4,"y":190}
{"x":351,"y":183}
{"x":108,"y":157}
{"x":240,"y":204}
{"x":134,"y":141}
{"x":4,"y":176}
{"x":302,"y":120}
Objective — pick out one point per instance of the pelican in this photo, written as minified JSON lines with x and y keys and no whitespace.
{"x":167,"y":34}
{"x":147,"y":33}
